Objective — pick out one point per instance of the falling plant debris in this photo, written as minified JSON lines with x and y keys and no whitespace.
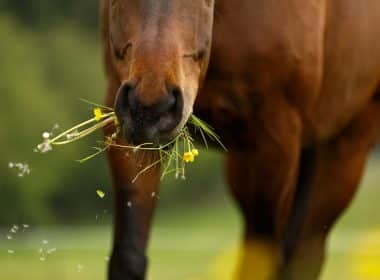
{"x":22,"y":168}
{"x":173,"y":156}
{"x":50,"y":251}
{"x":12,"y":232}
{"x":25,"y":227}
{"x":11,"y":235}
{"x":100,"y":193}
{"x":44,"y":252}
{"x":14,"y":228}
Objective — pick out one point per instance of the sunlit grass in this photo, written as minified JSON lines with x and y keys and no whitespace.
{"x":193,"y":244}
{"x":205,"y":254}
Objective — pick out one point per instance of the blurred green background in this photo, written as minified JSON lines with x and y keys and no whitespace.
{"x":50,"y":57}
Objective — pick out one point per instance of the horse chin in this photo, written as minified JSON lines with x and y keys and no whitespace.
{"x":166,"y":137}
{"x":164,"y":140}
{"x":153,"y":140}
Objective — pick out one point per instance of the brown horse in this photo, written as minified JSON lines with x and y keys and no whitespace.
{"x":291,"y":88}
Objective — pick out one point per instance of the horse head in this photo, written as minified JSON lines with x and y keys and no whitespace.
{"x":160,"y":52}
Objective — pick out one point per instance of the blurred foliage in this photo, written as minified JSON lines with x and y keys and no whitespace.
{"x":43,"y":73}
{"x":44,"y":13}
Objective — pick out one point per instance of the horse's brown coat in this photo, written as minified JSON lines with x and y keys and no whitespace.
{"x":291,"y":89}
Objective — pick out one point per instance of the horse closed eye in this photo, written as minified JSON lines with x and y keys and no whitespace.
{"x":120,"y":52}
{"x":198,"y":56}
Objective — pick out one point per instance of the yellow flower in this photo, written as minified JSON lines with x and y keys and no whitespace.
{"x":195,"y":152}
{"x":98,"y":115}
{"x":188,"y":157}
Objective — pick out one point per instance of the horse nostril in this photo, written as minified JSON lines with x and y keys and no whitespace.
{"x":178,"y":106}
{"x":171,"y":116}
{"x":123,"y":100}
{"x":175,"y":92}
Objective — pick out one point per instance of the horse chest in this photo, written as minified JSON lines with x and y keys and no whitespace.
{"x":240,"y":117}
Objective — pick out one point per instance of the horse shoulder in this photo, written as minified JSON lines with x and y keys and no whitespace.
{"x":262,"y":50}
{"x":351,"y":70}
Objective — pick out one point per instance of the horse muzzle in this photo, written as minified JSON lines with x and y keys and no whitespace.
{"x":148,"y":120}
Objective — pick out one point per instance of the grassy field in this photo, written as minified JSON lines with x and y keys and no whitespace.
{"x":192,"y":244}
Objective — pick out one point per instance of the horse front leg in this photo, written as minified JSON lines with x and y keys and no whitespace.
{"x":134,"y":206}
{"x":262,"y":179}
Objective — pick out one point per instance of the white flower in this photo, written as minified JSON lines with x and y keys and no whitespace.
{"x":44,"y":147}
{"x":46,"y":135}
